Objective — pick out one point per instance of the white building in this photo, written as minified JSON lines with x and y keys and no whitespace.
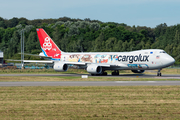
{"x":1,"y":58}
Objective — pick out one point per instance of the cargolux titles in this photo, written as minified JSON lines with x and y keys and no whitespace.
{"x":133,"y":58}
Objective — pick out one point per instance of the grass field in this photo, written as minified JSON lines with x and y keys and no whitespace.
{"x":41,"y":71}
{"x":140,"y":102}
{"x":123,"y":102}
{"x":79,"y":71}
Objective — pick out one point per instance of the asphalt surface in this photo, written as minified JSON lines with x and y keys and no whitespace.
{"x":95,"y":83}
{"x":121,"y":75}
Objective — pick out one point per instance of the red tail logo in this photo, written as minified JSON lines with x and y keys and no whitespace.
{"x":47,"y":44}
{"x":48,"y":47}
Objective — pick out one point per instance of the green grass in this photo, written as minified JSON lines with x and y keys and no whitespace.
{"x":41,"y":71}
{"x":140,"y":102}
{"x":79,"y":71}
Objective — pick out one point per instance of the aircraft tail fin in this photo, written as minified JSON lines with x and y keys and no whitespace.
{"x":49,"y":48}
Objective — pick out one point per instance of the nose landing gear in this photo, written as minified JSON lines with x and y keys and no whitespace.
{"x":159,"y":72}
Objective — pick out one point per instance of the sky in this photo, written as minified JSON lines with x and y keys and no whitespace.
{"x":148,"y":13}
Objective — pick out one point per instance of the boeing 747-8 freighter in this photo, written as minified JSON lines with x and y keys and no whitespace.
{"x":96,"y":63}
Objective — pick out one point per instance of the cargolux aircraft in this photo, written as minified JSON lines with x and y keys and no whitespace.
{"x":96,"y":63}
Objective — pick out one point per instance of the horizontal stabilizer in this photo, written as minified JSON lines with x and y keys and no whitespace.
{"x":36,"y":55}
{"x":12,"y":60}
{"x":38,"y":61}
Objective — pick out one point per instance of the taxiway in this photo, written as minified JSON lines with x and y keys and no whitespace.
{"x":164,"y":76}
{"x":95,"y":83}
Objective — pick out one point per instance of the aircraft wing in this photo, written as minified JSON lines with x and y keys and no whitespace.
{"x":13,"y":60}
{"x":109,"y":65}
{"x":98,"y":64}
{"x":77,"y":63}
{"x":50,"y":61}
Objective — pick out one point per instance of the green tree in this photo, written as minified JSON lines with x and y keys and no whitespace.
{"x":110,"y":43}
{"x":160,"y":29}
{"x":94,"y":26}
{"x":7,"y":36}
{"x":118,"y":46}
{"x":13,"y":22}
{"x":2,"y":23}
{"x":98,"y":43}
{"x":176,"y":38}
{"x":56,"y":36}
{"x":124,"y":46}
{"x":31,"y":42}
{"x":83,"y":24}
{"x":140,"y":45}
{"x":1,"y":34}
{"x":13,"y":45}
{"x":131,"y":45}
{"x":147,"y":45}
{"x":23,"y":21}
{"x":169,"y":49}
{"x":73,"y":30}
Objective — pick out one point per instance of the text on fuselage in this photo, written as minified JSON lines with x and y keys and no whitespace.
{"x":132,"y":58}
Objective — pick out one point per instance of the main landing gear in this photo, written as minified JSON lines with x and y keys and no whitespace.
{"x":102,"y":74}
{"x":159,"y":72}
{"x":116,"y":72}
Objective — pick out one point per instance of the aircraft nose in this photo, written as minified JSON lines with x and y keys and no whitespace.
{"x":170,"y":60}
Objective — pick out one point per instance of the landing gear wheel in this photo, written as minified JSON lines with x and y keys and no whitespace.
{"x":159,"y":72}
{"x":93,"y":74}
{"x":116,"y":72}
{"x":104,"y":73}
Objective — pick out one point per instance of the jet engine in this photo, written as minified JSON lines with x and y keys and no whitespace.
{"x":137,"y":71}
{"x":60,"y":67}
{"x":94,"y":69}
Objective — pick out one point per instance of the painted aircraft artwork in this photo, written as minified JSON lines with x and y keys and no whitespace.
{"x":96,"y":63}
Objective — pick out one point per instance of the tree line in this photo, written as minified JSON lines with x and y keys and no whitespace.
{"x":76,"y":35}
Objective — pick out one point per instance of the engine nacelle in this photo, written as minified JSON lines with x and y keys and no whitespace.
{"x":60,"y":67}
{"x":137,"y":71}
{"x":94,"y":69}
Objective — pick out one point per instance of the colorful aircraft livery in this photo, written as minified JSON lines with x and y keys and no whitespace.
{"x":48,"y":47}
{"x":97,"y":63}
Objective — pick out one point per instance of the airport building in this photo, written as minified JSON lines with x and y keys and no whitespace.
{"x":1,"y":58}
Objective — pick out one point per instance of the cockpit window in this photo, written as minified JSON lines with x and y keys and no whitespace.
{"x":162,"y":52}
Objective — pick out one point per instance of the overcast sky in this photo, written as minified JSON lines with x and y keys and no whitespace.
{"x":131,"y":12}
